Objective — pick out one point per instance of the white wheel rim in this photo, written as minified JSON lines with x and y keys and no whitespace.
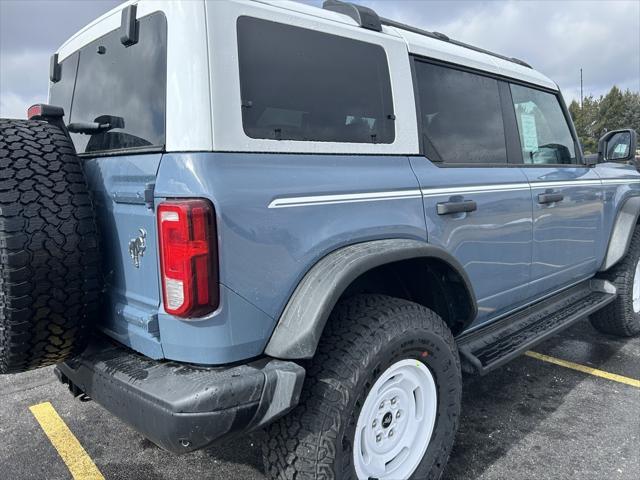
{"x":396,"y":422}
{"x":636,"y":288}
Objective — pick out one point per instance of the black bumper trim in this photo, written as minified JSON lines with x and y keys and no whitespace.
{"x":182,"y":407}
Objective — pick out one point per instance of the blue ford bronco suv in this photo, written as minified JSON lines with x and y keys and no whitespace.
{"x":259,"y":215}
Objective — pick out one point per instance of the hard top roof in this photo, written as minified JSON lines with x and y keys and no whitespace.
{"x":426,"y":45}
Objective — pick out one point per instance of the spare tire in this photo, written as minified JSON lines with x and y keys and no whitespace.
{"x":50,"y":279}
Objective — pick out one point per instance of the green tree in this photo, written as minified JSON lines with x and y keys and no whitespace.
{"x":614,"y":110}
{"x":585,"y":121}
{"x":631,"y":115}
{"x":611,"y":111}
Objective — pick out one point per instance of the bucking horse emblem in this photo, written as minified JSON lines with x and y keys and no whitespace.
{"x":137,"y":246}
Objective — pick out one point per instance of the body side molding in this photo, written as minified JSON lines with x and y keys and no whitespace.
{"x":302,"y":322}
{"x":621,"y":233}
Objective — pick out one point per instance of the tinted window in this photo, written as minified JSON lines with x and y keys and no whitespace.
{"x":127,"y":82}
{"x":61,"y":92}
{"x":544,"y":133}
{"x":461,"y":115}
{"x":299,"y":84}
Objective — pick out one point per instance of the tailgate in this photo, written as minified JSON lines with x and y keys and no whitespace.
{"x":123,"y":195}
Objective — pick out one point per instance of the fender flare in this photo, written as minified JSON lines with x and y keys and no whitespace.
{"x":302,"y":322}
{"x":621,"y":232}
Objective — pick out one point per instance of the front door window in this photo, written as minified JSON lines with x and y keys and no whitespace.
{"x":544,"y":133}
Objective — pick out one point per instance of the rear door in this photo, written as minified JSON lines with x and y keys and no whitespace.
{"x":477,"y":201}
{"x":567,"y":195}
{"x":127,"y":84}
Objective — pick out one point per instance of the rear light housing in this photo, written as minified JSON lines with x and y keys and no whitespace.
{"x":188,"y":257}
{"x":34,"y":111}
{"x":41,"y":111}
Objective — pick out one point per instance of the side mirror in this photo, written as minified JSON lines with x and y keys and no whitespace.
{"x":618,"y":146}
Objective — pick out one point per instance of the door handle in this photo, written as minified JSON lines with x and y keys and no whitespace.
{"x":550,"y":197}
{"x":445,"y":208}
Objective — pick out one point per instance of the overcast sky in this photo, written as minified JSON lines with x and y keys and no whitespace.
{"x":556,"y":37}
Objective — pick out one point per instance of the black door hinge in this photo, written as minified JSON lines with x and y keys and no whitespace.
{"x":148,"y":195}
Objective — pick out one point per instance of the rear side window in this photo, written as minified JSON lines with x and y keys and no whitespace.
{"x":544,"y":132}
{"x":118,"y":81}
{"x":461,"y":115}
{"x":299,"y":84}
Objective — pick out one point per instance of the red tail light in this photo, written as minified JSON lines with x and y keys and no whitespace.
{"x":188,"y":257}
{"x":34,"y":111}
{"x":41,"y":111}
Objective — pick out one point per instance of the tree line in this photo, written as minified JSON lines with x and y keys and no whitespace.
{"x":597,"y":116}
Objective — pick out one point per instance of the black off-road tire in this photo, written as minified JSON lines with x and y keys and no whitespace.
{"x":50,"y":282}
{"x":365,"y":335}
{"x":618,"y":317}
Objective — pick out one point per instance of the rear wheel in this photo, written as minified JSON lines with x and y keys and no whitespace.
{"x":381,"y":398}
{"x":622,"y":316}
{"x":49,"y":262}
{"x":396,"y":421}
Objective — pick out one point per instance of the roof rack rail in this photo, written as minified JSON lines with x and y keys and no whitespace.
{"x":368,"y":18}
{"x":445,"y":38}
{"x":364,"y":16}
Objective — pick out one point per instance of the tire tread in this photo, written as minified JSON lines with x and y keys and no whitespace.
{"x":50,"y":279}
{"x":302,"y":445}
{"x":618,"y":317}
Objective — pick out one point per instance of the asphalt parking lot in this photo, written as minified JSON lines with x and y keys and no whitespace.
{"x":529,"y":420}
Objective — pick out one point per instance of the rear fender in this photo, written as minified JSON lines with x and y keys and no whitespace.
{"x":302,"y":322}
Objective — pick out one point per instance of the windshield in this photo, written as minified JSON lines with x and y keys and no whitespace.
{"x":105,"y":78}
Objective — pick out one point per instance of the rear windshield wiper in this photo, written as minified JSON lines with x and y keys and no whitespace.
{"x":100,"y":124}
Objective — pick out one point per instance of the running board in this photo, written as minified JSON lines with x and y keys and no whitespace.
{"x":499,"y":342}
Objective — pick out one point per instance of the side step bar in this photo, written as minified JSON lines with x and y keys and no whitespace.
{"x":492,"y":346}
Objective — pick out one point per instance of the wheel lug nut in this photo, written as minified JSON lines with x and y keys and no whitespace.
{"x":394,"y":400}
{"x":378,"y":437}
{"x":381,"y":405}
{"x":398,"y":413}
{"x":391,"y":433}
{"x":374,"y":424}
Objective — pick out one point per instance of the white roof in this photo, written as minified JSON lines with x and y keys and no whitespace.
{"x":71,"y":44}
{"x":416,"y":44}
{"x":434,"y":48}
{"x":449,"y":52}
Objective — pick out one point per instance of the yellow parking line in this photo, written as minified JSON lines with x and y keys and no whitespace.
{"x":581,"y":368}
{"x":74,"y":456}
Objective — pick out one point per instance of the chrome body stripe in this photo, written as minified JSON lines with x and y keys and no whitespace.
{"x":565,"y":183}
{"x":467,"y":189}
{"x":344,"y":198}
{"x":433,"y":192}
{"x":619,"y":181}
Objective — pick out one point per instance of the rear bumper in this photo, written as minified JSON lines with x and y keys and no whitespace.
{"x":183,"y":407}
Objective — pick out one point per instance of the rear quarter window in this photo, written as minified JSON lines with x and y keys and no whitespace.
{"x":127,"y":82}
{"x":300,"y":84}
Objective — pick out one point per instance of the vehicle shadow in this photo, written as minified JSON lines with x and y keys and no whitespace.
{"x":504,"y":407}
{"x":242,"y":450}
{"x":498,"y":410}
